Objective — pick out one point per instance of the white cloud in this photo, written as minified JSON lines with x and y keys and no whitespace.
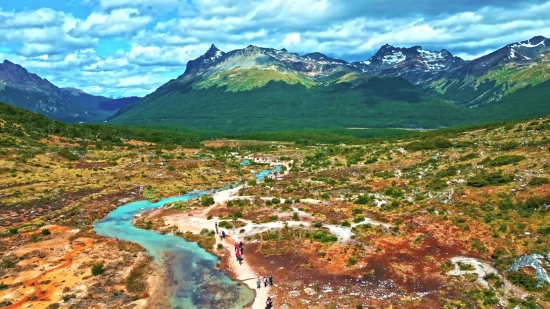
{"x":116,"y":23}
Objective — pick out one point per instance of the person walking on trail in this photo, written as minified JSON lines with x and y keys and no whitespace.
{"x":236,"y":246}
{"x":268,"y":303}
{"x":265,"y":282}
{"x":238,"y":255}
{"x":241,"y":245}
{"x":259,"y":284}
{"x":242,"y":250}
{"x":271,"y":280}
{"x":216,"y":224}
{"x":221,"y":237}
{"x":223,"y":234}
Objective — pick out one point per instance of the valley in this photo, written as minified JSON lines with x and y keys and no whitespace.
{"x":431,"y":220}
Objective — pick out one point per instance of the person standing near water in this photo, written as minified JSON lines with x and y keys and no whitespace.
{"x":259,"y":283}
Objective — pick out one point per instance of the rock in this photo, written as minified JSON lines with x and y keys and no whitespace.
{"x":309,"y":291}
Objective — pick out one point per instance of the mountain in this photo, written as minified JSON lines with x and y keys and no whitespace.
{"x":20,"y":88}
{"x":415,"y":64}
{"x":266,"y":89}
{"x":492,"y":78}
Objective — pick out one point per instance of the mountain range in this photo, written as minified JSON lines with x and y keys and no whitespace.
{"x":20,"y":88}
{"x":266,"y":89}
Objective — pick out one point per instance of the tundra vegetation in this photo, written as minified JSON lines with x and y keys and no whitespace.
{"x":377,"y":222}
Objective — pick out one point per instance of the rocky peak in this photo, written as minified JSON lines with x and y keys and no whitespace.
{"x":212,"y":55}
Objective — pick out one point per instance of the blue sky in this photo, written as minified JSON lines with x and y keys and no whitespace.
{"x":131,"y":47}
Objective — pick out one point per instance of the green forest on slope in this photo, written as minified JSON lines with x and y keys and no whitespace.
{"x":376,"y":103}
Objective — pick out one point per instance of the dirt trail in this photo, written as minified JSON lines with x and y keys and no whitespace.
{"x":46,"y":292}
{"x":245,"y":274}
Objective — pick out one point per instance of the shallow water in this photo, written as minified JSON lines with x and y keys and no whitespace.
{"x":191,"y":281}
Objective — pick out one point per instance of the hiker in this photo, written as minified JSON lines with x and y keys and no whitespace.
{"x":265,"y":282}
{"x":216,"y":230}
{"x":271,"y":280}
{"x":242,"y":250}
{"x":236,"y":246}
{"x":259,"y":283}
{"x":238,"y":254}
{"x":221,"y":237}
{"x":269,"y":303}
{"x":241,"y":244}
{"x":223,"y":234}
{"x":216,"y":224}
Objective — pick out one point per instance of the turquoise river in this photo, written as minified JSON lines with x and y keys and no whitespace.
{"x":189,"y":278}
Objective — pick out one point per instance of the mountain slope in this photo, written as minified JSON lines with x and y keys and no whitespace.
{"x":490,"y":78}
{"x":264,"y":89}
{"x":31,"y":92}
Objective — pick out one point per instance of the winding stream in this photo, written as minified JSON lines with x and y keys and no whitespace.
{"x":191,"y":280}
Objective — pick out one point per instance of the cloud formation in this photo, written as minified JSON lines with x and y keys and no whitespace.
{"x":131,"y":47}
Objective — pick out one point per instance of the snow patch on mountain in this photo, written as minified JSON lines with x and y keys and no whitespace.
{"x":394,"y":58}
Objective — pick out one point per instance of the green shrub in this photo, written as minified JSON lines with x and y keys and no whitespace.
{"x":67,"y":154}
{"x":438,"y":142}
{"x":478,"y":245}
{"x":352,"y":260}
{"x":295,"y":217}
{"x":523,"y":280}
{"x":273,"y":218}
{"x":537,"y":181}
{"x":345,"y":223}
{"x":98,"y":269}
{"x":488,"y":179}
{"x":359,"y":219}
{"x":46,"y":232}
{"x":13,"y":231}
{"x":3,"y":286}
{"x":207,"y":200}
{"x":324,"y":237}
{"x":171,"y":168}
{"x":465,"y":266}
{"x":502,"y":160}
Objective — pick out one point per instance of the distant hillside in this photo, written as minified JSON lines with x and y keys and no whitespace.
{"x":20,"y":88}
{"x":113,"y":105}
{"x":263,"y":89}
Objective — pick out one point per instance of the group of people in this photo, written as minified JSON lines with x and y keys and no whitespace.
{"x":222,"y":234}
{"x":259,"y":282}
{"x":239,"y":251}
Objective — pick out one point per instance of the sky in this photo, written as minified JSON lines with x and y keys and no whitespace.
{"x":131,"y":47}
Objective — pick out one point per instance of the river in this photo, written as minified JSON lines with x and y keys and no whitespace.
{"x":191,"y":280}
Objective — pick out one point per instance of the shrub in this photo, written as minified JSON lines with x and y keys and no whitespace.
{"x":97,"y":269}
{"x":501,"y":160}
{"x":209,"y":217}
{"x":465,"y":266}
{"x":523,"y":280}
{"x":359,"y":219}
{"x":46,"y":232}
{"x":352,"y":260}
{"x":171,"y":168}
{"x":364,"y":199}
{"x":324,"y":237}
{"x":13,"y":231}
{"x":3,"y":286}
{"x":67,"y":154}
{"x":489,"y":179}
{"x":295,"y":217}
{"x":275,"y":201}
{"x":273,"y":218}
{"x":345,"y":223}
{"x":478,"y":246}
{"x":438,"y":142}
{"x":207,"y":200}
{"x":537,"y":181}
